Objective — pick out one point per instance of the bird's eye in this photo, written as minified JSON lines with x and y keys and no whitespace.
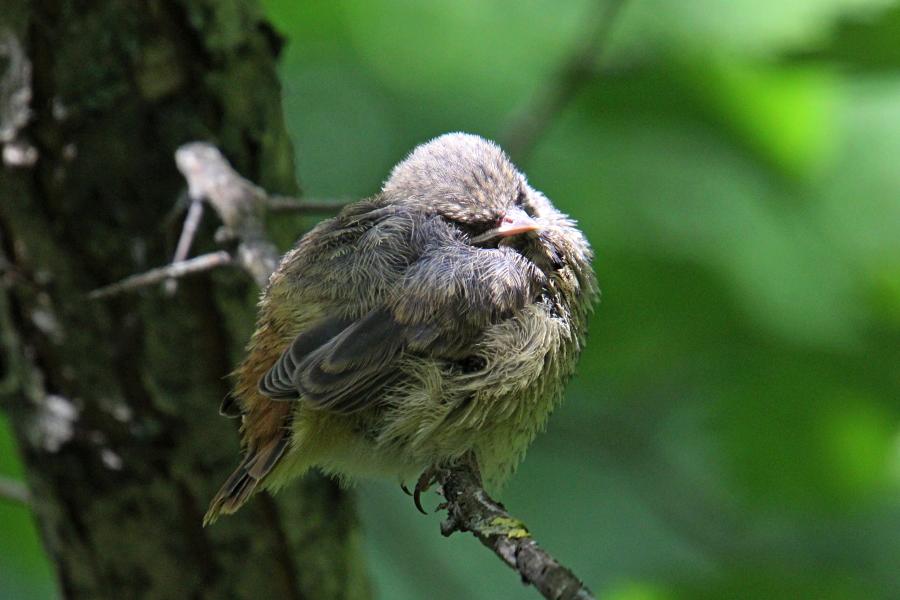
{"x":476,"y":229}
{"x":520,"y":202}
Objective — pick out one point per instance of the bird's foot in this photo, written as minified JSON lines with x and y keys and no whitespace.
{"x":426,"y":480}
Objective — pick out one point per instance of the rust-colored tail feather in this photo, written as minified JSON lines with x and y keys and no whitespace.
{"x":238,"y":488}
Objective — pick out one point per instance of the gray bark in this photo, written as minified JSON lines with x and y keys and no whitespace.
{"x":113,"y":401}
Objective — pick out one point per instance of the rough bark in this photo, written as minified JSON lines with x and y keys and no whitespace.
{"x":114,"y":401}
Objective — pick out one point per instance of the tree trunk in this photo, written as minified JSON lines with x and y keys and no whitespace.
{"x":113,"y":402}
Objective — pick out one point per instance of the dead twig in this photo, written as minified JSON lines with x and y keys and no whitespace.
{"x":241,"y":206}
{"x":176,"y":270}
{"x":188,"y":231}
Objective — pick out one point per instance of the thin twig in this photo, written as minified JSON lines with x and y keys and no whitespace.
{"x":240,"y":204}
{"x":188,"y":231}
{"x":177,"y":270}
{"x":14,"y":491}
{"x":305,"y":205}
{"x":469,"y":508}
{"x":523,"y":130}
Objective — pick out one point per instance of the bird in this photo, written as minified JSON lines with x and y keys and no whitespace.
{"x":434,"y":322}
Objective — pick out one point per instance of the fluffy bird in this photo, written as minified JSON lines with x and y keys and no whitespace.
{"x":437,"y":320}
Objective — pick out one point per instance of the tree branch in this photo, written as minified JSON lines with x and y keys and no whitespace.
{"x":241,"y":206}
{"x":176,"y":270}
{"x":188,"y":231}
{"x":469,"y":508}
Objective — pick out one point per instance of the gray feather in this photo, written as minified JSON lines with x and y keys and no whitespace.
{"x":278,"y":382}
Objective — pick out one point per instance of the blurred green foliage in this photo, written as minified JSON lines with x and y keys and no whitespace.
{"x":734,"y":431}
{"x":24,"y":572}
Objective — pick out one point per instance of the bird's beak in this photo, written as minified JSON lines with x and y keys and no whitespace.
{"x":514,"y":222}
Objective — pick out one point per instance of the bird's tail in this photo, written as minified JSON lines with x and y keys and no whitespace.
{"x":238,"y":488}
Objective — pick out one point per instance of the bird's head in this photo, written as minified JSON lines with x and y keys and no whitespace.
{"x":471,"y":182}
{"x":467,"y":180}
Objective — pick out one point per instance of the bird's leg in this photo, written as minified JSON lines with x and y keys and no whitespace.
{"x":430,"y":476}
{"x":471,"y":461}
{"x":468,"y":462}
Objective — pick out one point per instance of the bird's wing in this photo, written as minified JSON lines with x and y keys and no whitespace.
{"x":345,"y":372}
{"x":437,"y":306}
{"x":278,"y":382}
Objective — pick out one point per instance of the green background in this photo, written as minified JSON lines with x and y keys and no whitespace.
{"x":734,"y":428}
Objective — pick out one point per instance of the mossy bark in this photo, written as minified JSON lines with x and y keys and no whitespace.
{"x":114,"y":402}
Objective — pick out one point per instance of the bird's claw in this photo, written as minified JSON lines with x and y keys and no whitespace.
{"x":425,"y":480}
